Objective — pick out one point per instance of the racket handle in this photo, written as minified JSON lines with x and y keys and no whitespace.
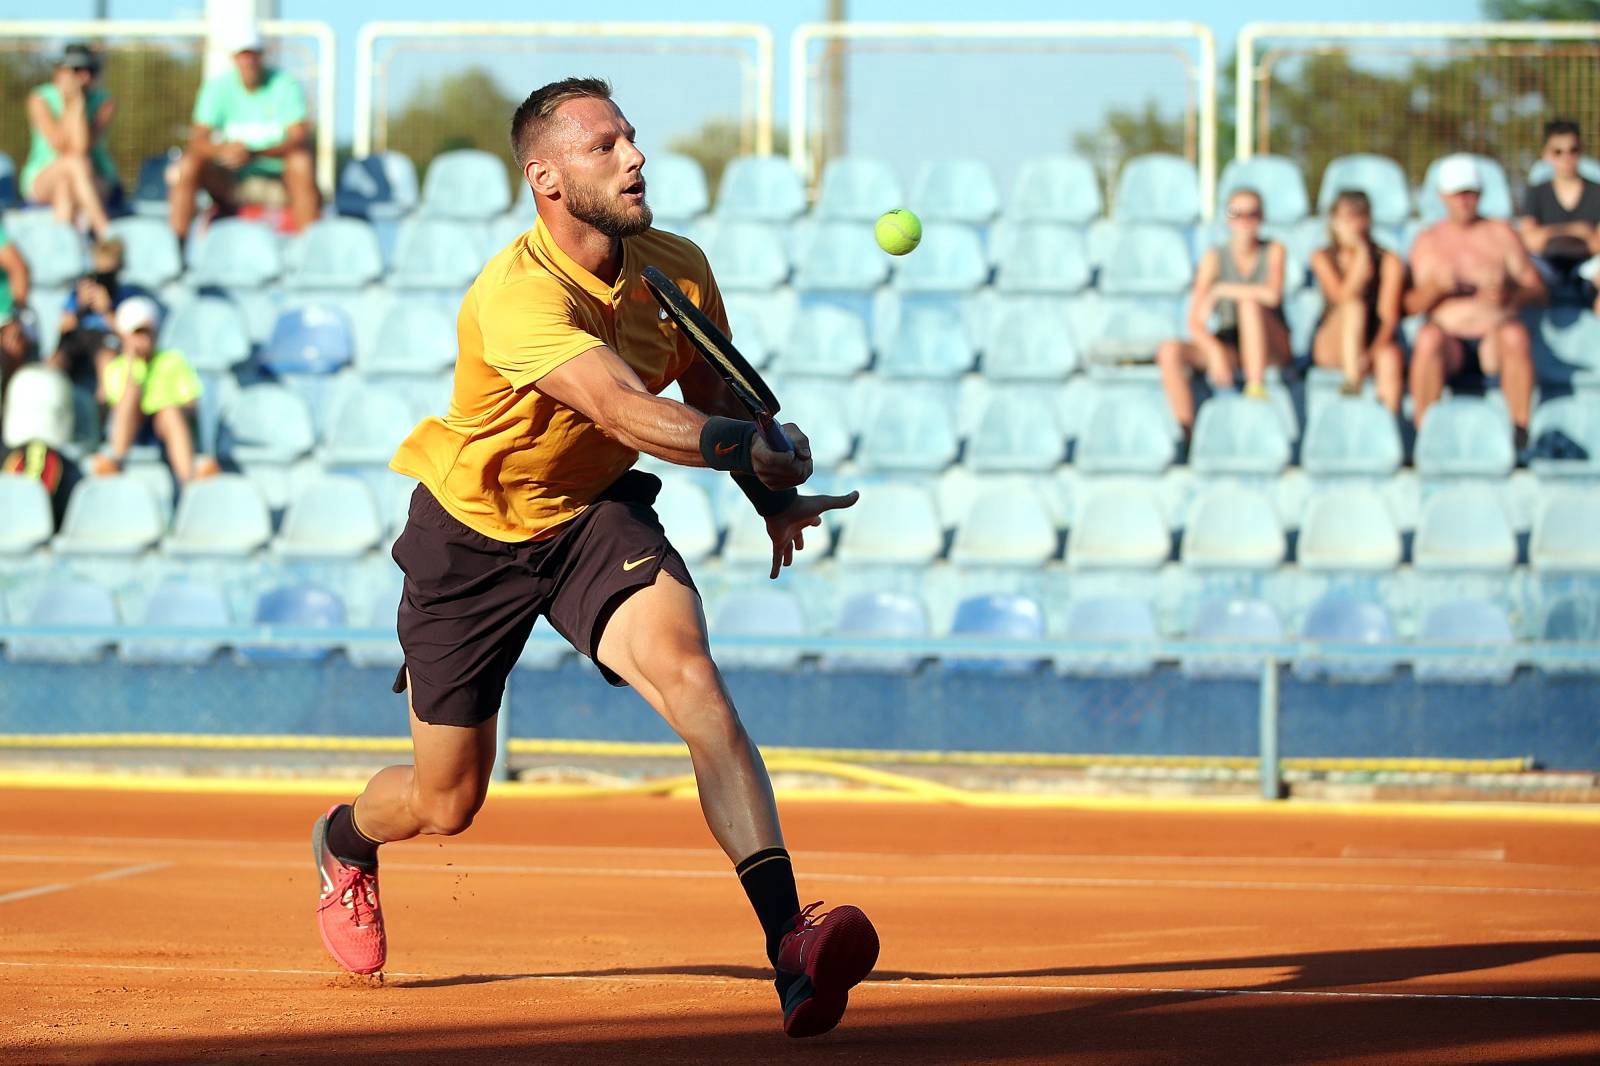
{"x":774,"y":435}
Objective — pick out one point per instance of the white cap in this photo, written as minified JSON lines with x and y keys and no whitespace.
{"x":243,"y":37}
{"x":138,"y":312}
{"x":1459,"y":173}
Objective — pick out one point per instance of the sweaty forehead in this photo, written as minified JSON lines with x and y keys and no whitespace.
{"x":587,"y":118}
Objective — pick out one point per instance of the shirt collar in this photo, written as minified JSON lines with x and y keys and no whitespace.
{"x":550,"y":250}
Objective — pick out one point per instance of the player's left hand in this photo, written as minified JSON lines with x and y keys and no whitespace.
{"x":788,"y":527}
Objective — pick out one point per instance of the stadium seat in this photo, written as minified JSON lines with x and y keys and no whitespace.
{"x":1469,"y":622}
{"x":1378,"y":176}
{"x":1029,"y":341}
{"x":116,"y":515}
{"x":1118,"y":527}
{"x":1013,"y":618}
{"x":298,"y":607}
{"x":1348,"y":528}
{"x":1341,"y":620}
{"x":266,"y":422}
{"x":857,"y":189}
{"x":27,"y":522}
{"x":1158,"y":188}
{"x":415,"y":337}
{"x":210,"y":331}
{"x":1145,"y":260}
{"x":1058,"y":188}
{"x":1557,"y":426}
{"x":436,"y":253}
{"x":1564,"y":533}
{"x":333,"y":253}
{"x":1045,"y":258}
{"x":842,"y":257}
{"x":1243,"y":621}
{"x":8,"y":183}
{"x":66,"y":602}
{"x":955,"y":190}
{"x":220,"y":516}
{"x":747,"y":256}
{"x":382,"y":185}
{"x":1571,"y":618}
{"x":499,"y":232}
{"x":929,"y":342}
{"x":676,"y":188}
{"x":1350,"y":436}
{"x":236,"y":253}
{"x":1463,"y":527}
{"x":769,"y":613}
{"x":882,"y":616}
{"x":1464,"y":437}
{"x":1125,"y":434}
{"x":913,"y":430}
{"x":54,"y":251}
{"x":893,"y":524}
{"x":760,"y":188}
{"x":950,"y":259}
{"x":333,"y":517}
{"x":685,"y":512}
{"x":1128,"y":329}
{"x":1123,"y":620}
{"x":1276,"y":178}
{"x":1005,"y":527}
{"x":312,"y":339}
{"x":367,"y":427}
{"x":1493,"y":202}
{"x":822,"y":409}
{"x":1234,"y":434}
{"x":750,"y":327}
{"x":1017,"y":431}
{"x":826,"y":341}
{"x":179,"y":602}
{"x":1232,"y":528}
{"x":1566,"y":340}
{"x":465,"y":183}
{"x":150,"y":254}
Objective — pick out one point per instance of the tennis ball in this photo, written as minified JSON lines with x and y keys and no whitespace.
{"x":898,"y":231}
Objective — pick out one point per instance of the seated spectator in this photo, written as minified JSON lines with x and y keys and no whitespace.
{"x":1560,"y":221}
{"x":151,"y":394}
{"x":86,"y":322}
{"x":1470,"y":275}
{"x":1361,"y":284}
{"x":1241,"y":282}
{"x":18,"y":335}
{"x":249,"y":126}
{"x":69,"y":166}
{"x":19,"y":345}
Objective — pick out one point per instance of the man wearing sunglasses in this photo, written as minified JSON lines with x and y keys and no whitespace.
{"x":1560,"y":220}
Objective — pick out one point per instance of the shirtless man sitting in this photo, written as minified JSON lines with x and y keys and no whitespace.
{"x":1470,"y":275}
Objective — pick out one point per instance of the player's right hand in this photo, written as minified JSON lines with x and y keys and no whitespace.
{"x":782,"y":470}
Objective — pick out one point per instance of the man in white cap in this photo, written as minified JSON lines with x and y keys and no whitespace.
{"x":1470,"y":277}
{"x":151,"y":394}
{"x":249,"y":122}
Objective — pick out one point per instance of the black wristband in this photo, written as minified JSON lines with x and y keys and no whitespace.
{"x":768,"y":502}
{"x":725,"y":444}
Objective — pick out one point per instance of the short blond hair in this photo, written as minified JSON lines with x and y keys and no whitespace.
{"x":532,"y":118}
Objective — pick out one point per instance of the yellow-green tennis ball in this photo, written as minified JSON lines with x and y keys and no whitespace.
{"x":898,"y":231}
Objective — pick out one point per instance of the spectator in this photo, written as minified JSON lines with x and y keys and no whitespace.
{"x":86,"y":322}
{"x":1470,"y":275}
{"x":68,"y":165}
{"x":17,"y":333}
{"x":152,"y":396}
{"x":1242,"y":283}
{"x":1361,"y":284}
{"x":1560,"y":220}
{"x":19,"y":345}
{"x":249,"y":123}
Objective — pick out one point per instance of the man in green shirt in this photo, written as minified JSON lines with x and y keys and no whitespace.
{"x":248,"y":123}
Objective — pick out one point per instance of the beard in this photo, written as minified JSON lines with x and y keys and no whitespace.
{"x":588,"y":203}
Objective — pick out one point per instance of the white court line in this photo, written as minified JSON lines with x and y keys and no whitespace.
{"x":108,"y":875}
{"x":955,"y":985}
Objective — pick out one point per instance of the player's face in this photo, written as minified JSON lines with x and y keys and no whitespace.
{"x":1562,"y":151}
{"x":602,"y":170}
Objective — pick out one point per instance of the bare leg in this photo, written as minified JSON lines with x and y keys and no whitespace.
{"x":300,"y":182}
{"x":86,"y":194}
{"x":1253,"y":354}
{"x":1388,"y":370}
{"x":173,"y":429}
{"x":1178,"y":360}
{"x":1434,"y":358}
{"x":1353,"y":341}
{"x":194,"y":174}
{"x":126,"y":418}
{"x":1508,"y":353}
{"x":53,"y":187}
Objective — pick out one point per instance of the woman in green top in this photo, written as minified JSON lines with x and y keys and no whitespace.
{"x":68,"y":165}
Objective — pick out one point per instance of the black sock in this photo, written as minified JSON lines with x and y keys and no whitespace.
{"x":768,"y":879}
{"x":346,"y":840}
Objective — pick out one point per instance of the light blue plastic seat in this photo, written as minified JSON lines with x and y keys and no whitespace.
{"x":1342,"y":620}
{"x":1005,"y":527}
{"x":826,"y":341}
{"x":842,"y":257}
{"x":1571,"y":618}
{"x":184,"y":602}
{"x":501,"y":230}
{"x":1045,"y":258}
{"x":1378,"y":176}
{"x":1278,"y":181}
{"x":210,"y":331}
{"x":381,"y":185}
{"x":415,"y":336}
{"x":1350,"y":435}
{"x":1565,"y":340}
{"x":950,"y":259}
{"x":68,"y":602}
{"x":1029,"y":341}
{"x":1234,"y":434}
{"x":1146,"y":260}
{"x":1056,"y":188}
{"x":116,"y":515}
{"x":1564,"y":536}
{"x":236,"y":253}
{"x":54,"y":251}
{"x":1018,"y":431}
{"x":997,"y":618}
{"x":465,"y":183}
{"x":1122,"y":619}
{"x":367,"y":428}
{"x":884,"y":616}
{"x":1463,"y":527}
{"x":299,"y":607}
{"x":333,"y":253}
{"x":1118,"y":527}
{"x":955,"y":190}
{"x":26,"y":521}
{"x":1238,"y":620}
{"x":857,"y":189}
{"x":929,"y":342}
{"x":675,"y":187}
{"x":8,"y":183}
{"x":1473,"y":622}
{"x":913,"y":431}
{"x":266,"y":422}
{"x":1158,"y":188}
{"x":758,"y":612}
{"x":892,"y":524}
{"x":311,"y":339}
{"x":150,"y":254}
{"x":1575,"y":418}
{"x":219,"y":516}
{"x":1464,"y":437}
{"x":760,"y":188}
{"x":1493,"y":202}
{"x":1232,"y":528}
{"x":436,"y":253}
{"x":747,"y":256}
{"x":685,"y":512}
{"x":1129,"y":329}
{"x":1348,"y":527}
{"x":1125,"y":434}
{"x":822,"y":409}
{"x":333,"y":517}
{"x":751,"y":328}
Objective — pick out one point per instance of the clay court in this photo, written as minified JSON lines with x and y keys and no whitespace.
{"x":144,"y":926}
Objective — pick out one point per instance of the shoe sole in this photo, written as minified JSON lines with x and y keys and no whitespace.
{"x":845,"y":953}
{"x":319,"y":843}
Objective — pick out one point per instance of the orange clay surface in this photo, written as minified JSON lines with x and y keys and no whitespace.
{"x":150,"y":927}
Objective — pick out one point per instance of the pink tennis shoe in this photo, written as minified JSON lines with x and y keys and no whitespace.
{"x":349,"y":917}
{"x":828,"y":954}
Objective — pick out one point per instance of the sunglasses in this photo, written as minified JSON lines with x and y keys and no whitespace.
{"x":1244,"y":216}
{"x":1562,"y":151}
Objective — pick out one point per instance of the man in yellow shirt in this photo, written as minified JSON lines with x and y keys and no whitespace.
{"x":527,"y":504}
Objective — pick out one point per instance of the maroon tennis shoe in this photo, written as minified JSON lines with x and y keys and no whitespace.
{"x":824,"y":956}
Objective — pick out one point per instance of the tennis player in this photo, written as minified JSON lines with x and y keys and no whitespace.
{"x":527,"y":505}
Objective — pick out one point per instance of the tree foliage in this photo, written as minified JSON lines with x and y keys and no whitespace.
{"x":468,"y":109}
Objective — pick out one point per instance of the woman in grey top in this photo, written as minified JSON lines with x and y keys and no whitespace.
{"x":1235,"y":314}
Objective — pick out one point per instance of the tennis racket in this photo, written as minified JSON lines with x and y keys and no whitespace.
{"x":719,"y":351}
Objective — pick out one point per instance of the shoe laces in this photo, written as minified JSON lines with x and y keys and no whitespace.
{"x":806,"y":918}
{"x":357,"y":891}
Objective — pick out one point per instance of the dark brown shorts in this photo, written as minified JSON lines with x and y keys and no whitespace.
{"x":470,"y":601}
